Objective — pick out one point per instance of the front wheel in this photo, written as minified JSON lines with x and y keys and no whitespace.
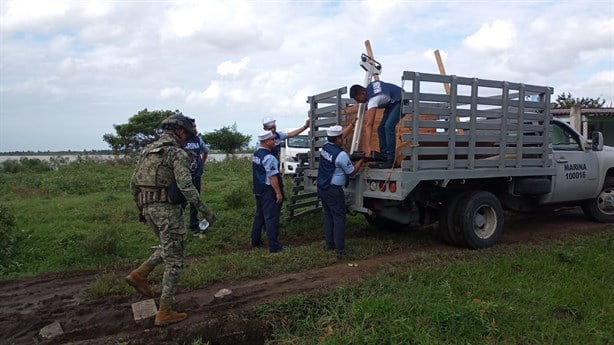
{"x":479,"y":217}
{"x":601,"y":208}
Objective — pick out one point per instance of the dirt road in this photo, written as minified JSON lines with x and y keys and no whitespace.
{"x":27,"y":305}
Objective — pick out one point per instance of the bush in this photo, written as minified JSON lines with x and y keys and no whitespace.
{"x":25,"y":164}
{"x":105,"y":242}
{"x":9,"y":238}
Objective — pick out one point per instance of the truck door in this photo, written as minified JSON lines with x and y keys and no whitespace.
{"x":577,"y":168}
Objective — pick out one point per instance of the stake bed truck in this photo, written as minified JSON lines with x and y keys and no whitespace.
{"x":465,"y":156}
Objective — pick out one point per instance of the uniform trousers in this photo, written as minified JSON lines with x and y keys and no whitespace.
{"x":166,"y":220}
{"x":197,"y":181}
{"x":333,"y":203}
{"x":267,"y":216}
{"x":386,"y":130}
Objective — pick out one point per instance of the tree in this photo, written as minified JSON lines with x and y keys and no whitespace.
{"x":227,"y":139}
{"x":141,"y":129}
{"x":566,"y":102}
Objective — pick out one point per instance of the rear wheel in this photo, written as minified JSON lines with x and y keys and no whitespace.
{"x":479,"y":217}
{"x":447,"y":231}
{"x":601,"y":208}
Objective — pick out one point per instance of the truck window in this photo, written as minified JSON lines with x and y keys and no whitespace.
{"x":563,"y":139}
{"x":299,"y":141}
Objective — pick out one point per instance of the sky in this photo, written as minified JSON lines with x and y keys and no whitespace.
{"x":72,"y":69}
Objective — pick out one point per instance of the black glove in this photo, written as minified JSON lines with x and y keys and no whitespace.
{"x":357,"y":155}
{"x":142,"y":219}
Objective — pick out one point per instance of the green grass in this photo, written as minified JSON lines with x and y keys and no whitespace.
{"x":555,"y":294}
{"x":80,"y":216}
{"x":92,"y":224}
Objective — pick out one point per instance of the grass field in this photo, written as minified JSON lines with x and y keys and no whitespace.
{"x":80,"y":216}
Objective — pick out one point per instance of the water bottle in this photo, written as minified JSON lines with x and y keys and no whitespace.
{"x":203,"y":225}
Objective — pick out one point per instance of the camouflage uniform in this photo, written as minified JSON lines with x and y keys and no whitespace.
{"x":162,"y":165}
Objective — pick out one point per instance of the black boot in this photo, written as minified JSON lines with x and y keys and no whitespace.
{"x":378,"y":156}
{"x":388,"y":164}
{"x":382,"y":165}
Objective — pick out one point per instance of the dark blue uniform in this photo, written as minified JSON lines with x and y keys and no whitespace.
{"x":196,"y":147}
{"x":265,"y":166}
{"x":331,"y":178}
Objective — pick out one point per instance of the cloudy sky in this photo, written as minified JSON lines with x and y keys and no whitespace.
{"x":71,"y":69}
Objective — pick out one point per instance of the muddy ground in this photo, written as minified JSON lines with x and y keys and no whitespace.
{"x":27,"y":305}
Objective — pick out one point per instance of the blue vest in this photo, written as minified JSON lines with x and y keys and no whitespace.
{"x":194,"y":148}
{"x":379,"y":87}
{"x":326,"y":168}
{"x":258,"y":170}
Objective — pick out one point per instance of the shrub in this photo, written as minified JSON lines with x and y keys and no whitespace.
{"x":102,"y":243}
{"x":9,"y":238}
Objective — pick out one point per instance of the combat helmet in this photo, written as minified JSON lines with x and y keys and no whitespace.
{"x":177,"y":121}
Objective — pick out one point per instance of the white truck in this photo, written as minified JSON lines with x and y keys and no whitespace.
{"x":488,"y":146}
{"x":290,"y":150}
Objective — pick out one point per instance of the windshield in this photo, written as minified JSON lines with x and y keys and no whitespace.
{"x":299,"y":141}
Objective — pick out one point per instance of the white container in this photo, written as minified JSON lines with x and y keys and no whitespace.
{"x":203,"y":225}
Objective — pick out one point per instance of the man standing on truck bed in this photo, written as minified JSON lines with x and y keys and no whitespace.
{"x":379,"y":94}
{"x":333,"y":171}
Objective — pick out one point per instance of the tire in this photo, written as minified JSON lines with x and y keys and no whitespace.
{"x":479,"y":217}
{"x":601,"y":208}
{"x":447,"y":230}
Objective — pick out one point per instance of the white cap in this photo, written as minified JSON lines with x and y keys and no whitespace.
{"x":265,"y":135}
{"x":334,"y":131}
{"x":268,"y":121}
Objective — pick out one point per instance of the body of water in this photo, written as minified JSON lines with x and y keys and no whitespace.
{"x":212,"y":157}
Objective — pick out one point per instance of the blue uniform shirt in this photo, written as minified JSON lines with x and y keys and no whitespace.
{"x":196,"y":147}
{"x":264,"y":165}
{"x":342,"y":164}
{"x":381,"y":94}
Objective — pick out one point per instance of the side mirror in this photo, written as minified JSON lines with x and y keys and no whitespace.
{"x":597,"y":141}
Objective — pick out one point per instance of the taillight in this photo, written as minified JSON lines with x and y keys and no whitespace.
{"x":392,"y":187}
{"x":382,"y":186}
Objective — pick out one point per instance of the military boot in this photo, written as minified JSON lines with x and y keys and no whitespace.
{"x":138,"y":279}
{"x":165,"y":316}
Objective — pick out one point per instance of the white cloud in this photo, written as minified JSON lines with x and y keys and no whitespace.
{"x":498,"y":36}
{"x":232,"y":68}
{"x":212,"y":93}
{"x":29,"y":13}
{"x":43,"y":14}
{"x":238,"y":96}
{"x":237,"y":61}
{"x":172,"y":92}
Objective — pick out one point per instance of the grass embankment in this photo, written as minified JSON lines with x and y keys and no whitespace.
{"x":80,"y":216}
{"x":523,"y":294}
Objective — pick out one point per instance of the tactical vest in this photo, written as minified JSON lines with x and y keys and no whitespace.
{"x":154,"y":175}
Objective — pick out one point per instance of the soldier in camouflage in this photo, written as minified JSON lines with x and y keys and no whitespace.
{"x":161,"y":185}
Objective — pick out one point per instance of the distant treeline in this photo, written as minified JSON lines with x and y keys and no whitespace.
{"x":56,"y":153}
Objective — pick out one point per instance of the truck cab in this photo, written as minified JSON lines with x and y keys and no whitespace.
{"x":578,"y":170}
